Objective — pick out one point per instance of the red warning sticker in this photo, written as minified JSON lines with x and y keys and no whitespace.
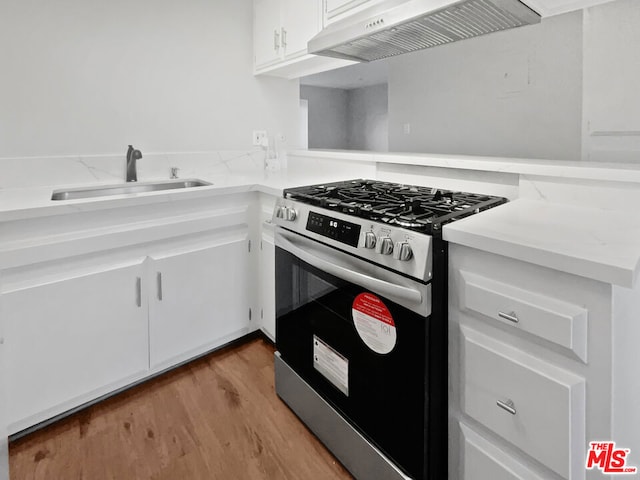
{"x":374,"y":323}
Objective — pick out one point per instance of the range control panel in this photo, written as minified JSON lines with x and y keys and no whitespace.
{"x":390,"y":246}
{"x":339,"y":230}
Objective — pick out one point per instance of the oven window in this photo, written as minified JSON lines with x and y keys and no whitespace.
{"x":300,"y":284}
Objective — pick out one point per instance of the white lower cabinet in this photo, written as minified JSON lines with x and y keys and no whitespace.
{"x":199,"y":297}
{"x":92,"y":304}
{"x":267,"y":267}
{"x":267,"y":282}
{"x":530,"y":354}
{"x":71,"y":334}
{"x":533,"y":404}
{"x":483,"y":460}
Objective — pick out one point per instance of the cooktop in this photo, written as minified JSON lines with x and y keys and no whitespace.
{"x":417,"y":208}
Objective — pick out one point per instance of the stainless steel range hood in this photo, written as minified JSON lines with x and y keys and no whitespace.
{"x":393,"y":27}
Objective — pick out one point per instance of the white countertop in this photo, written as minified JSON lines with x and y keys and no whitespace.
{"x":601,"y":171}
{"x":30,"y":202}
{"x":593,"y":243}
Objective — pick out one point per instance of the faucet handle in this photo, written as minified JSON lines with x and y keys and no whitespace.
{"x":174,"y":172}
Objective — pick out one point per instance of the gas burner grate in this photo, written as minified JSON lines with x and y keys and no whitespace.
{"x":413,"y":207}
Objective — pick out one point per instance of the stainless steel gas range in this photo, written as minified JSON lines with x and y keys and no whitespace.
{"x":361,"y":320}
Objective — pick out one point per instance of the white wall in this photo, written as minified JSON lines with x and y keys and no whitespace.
{"x":611,"y":82}
{"x":515,"y":93}
{"x":91,"y":76}
{"x":368,"y":118}
{"x":327,"y":116}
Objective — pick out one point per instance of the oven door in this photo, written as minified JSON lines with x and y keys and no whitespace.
{"x":357,"y":334}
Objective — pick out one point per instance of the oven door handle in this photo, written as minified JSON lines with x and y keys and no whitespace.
{"x":288,"y":242}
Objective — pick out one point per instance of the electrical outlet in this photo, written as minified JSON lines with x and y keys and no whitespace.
{"x":406,"y":128}
{"x":259,"y":137}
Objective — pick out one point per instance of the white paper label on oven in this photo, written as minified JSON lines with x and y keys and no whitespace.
{"x":333,"y":366}
{"x":374,"y":323}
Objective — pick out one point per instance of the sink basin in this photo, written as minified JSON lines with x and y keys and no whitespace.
{"x":125,"y":188}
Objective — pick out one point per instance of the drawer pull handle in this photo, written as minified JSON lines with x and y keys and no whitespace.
{"x":512,"y":317}
{"x":276,"y":40}
{"x":138,"y":292}
{"x":508,"y":406}
{"x":159,"y":279}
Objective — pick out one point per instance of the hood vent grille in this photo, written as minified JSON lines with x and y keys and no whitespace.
{"x":460,"y":21}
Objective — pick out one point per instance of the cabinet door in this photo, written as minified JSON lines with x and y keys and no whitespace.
{"x":267,"y":281}
{"x":72,"y":333}
{"x":343,"y":8}
{"x":301,"y":21}
{"x":199,"y":298}
{"x":267,"y":42}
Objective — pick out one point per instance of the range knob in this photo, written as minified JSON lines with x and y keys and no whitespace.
{"x":384,"y":245}
{"x":369,"y":240}
{"x":286,"y":213}
{"x":290,"y":214}
{"x":402,"y":251}
{"x":281,"y":212}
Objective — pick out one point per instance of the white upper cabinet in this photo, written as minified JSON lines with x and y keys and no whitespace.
{"x":547,"y":8}
{"x":335,"y":10}
{"x":281,"y":30}
{"x":266,"y":31}
{"x":300,"y":22}
{"x":332,"y":8}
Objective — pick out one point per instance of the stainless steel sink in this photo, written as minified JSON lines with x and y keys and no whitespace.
{"x":125,"y":188}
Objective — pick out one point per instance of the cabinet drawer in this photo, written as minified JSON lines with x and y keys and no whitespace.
{"x":536,"y":406}
{"x":557,"y":321}
{"x":484,"y":460}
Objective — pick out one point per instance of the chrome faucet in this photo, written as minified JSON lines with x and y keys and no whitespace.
{"x":132,"y":156}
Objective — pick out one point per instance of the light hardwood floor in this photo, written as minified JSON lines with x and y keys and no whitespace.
{"x":215,"y":418}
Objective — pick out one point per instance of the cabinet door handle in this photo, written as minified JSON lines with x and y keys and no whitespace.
{"x":159,"y":279}
{"x":138,"y":291}
{"x":511,"y":316}
{"x":508,"y":406}
{"x":284,"y":38}
{"x":276,"y":40}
